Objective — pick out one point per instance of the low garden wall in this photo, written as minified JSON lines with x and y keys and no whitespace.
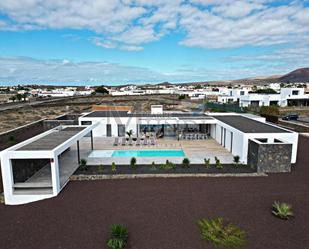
{"x":294,"y":126}
{"x":164,"y":171}
{"x":20,"y":134}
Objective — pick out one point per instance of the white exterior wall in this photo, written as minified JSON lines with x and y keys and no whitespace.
{"x":237,"y":140}
{"x":241,"y":139}
{"x":264,"y":99}
{"x":101,"y":131}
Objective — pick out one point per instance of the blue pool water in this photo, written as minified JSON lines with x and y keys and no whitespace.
{"x":148,"y":153}
{"x":137,"y":153}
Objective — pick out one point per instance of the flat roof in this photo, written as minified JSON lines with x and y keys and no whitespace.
{"x":53,"y":139}
{"x":248,"y":125}
{"x":101,"y":114}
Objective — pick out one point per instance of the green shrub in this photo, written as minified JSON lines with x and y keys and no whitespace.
{"x":167,"y":165}
{"x":115,"y":243}
{"x":228,"y":236}
{"x":218,"y":163}
{"x":83,"y":164}
{"x":133,"y":163}
{"x":186,"y":163}
{"x":207,"y":162}
{"x":236,"y":160}
{"x":282,"y":210}
{"x":114,"y":168}
{"x":12,"y":140}
{"x":118,"y":238}
{"x":153,"y":166}
{"x":101,"y":169}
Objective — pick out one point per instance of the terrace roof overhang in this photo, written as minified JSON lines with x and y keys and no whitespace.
{"x":176,"y":120}
{"x":36,"y":147}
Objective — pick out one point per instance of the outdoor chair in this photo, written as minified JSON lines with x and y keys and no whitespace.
{"x":116,"y":141}
{"x":138,"y":142}
{"x":152,"y":141}
{"x":130,"y":141}
{"x":145,"y":142}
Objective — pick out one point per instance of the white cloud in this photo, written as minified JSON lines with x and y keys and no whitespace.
{"x":22,"y":70}
{"x":128,"y":24}
{"x":237,"y":9}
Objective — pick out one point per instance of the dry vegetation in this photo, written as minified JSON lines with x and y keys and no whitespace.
{"x":5,"y":97}
{"x":11,"y":119}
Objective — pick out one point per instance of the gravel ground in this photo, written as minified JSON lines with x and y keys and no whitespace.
{"x":162,"y":213}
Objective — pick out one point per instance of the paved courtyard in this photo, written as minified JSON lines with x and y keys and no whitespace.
{"x":195,"y":150}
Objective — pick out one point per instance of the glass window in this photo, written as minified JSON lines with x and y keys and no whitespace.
{"x":86,"y":123}
{"x":121,"y":130}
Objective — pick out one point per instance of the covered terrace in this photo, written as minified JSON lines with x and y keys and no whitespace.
{"x":40,"y":167}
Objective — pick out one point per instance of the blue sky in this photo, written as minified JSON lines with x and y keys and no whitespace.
{"x":149,"y":41}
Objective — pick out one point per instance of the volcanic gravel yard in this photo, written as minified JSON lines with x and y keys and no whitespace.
{"x":162,"y":213}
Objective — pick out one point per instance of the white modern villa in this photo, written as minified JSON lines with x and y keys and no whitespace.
{"x":40,"y":167}
{"x":292,"y":96}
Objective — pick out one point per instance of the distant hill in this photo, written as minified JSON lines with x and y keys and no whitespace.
{"x":164,"y":84}
{"x":298,"y":75}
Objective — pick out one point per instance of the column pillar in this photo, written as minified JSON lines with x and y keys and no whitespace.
{"x":91,"y":135}
{"x":78,"y":154}
{"x":54,"y":164}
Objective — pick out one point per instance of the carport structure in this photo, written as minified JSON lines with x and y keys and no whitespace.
{"x":40,"y":167}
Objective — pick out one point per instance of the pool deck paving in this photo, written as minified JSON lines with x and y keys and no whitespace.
{"x":195,"y":150}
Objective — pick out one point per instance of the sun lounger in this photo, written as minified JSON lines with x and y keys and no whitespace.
{"x":145,"y":142}
{"x":123,"y":141}
{"x":130,"y":141}
{"x":152,"y":141}
{"x":116,"y":141}
{"x":138,"y":142}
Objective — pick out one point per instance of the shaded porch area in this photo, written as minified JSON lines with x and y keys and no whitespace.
{"x":34,"y":176}
{"x":180,"y":131}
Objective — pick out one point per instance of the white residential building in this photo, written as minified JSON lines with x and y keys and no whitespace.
{"x":286,"y":97}
{"x":40,"y":167}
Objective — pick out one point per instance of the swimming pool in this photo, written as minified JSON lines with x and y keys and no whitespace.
{"x":137,"y":153}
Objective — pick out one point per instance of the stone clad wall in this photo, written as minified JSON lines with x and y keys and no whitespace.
{"x":269,"y":158}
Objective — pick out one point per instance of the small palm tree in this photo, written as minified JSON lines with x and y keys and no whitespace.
{"x":83,"y":164}
{"x":236,"y":160}
{"x":282,"y":210}
{"x":220,"y":234}
{"x":186,"y":163}
{"x":129,"y":133}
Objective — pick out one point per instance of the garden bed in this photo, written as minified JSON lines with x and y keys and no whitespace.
{"x":158,"y":169}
